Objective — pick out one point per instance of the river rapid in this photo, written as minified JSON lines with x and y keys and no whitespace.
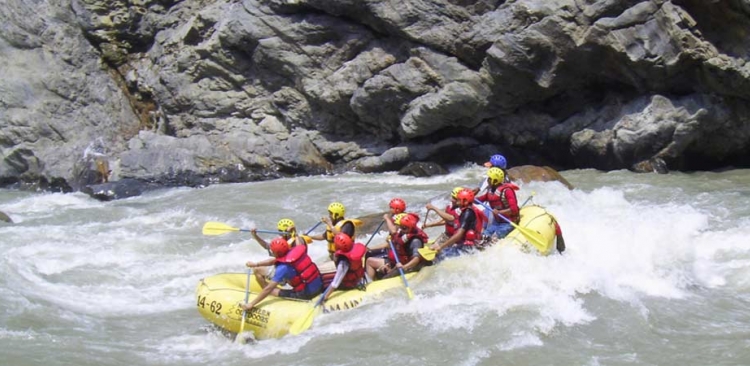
{"x":656,"y":272}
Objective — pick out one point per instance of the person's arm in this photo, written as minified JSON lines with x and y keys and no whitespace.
{"x":257,"y":238}
{"x":341,"y":269}
{"x":262,"y":295}
{"x":329,"y":227}
{"x":452,"y":240}
{"x":468,"y":219}
{"x":440,"y":222}
{"x":266,"y":290}
{"x":414,"y":246}
{"x":263,"y":263}
{"x":443,"y":215}
{"x":510,"y":199}
{"x":389,"y":223}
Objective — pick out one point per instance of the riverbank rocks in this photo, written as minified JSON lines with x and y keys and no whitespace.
{"x":197,"y":92}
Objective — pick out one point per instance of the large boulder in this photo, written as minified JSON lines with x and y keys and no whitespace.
{"x":529,"y":173}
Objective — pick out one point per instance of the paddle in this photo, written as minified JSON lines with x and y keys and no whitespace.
{"x":401,"y":271}
{"x":427,"y":253}
{"x":528,"y":199}
{"x":240,"y":339}
{"x":218,"y":228}
{"x":313,"y":228}
{"x":534,"y":237}
{"x":374,"y":232}
{"x":302,"y":324}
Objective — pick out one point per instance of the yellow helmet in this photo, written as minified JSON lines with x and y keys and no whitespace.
{"x":455,"y":191}
{"x":285,"y":225}
{"x":496,"y":176}
{"x":397,"y":218}
{"x":337,"y":210}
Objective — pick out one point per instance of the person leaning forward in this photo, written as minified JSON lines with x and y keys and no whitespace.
{"x":469,"y":231}
{"x":293,"y":266}
{"x":448,"y":217}
{"x":287,"y":227}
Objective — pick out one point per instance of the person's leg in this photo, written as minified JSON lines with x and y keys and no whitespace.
{"x":503,"y":229}
{"x":372,"y":264}
{"x":260,"y":276}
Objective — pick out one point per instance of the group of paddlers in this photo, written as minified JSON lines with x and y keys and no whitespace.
{"x":473,"y":218}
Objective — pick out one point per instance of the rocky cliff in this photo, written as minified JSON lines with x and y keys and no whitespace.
{"x":201,"y":91}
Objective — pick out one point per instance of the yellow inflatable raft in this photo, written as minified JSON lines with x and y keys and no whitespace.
{"x":219,"y":297}
{"x":537,"y":222}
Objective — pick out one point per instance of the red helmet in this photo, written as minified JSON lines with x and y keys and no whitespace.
{"x":409,"y":221}
{"x":343,"y":242}
{"x":398,"y":205}
{"x":465,"y":197}
{"x":279,"y":247}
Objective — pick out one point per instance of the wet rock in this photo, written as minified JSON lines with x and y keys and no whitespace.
{"x":5,"y":218}
{"x":422,"y":169}
{"x":529,"y":173}
{"x":654,"y":165}
{"x":123,"y":188}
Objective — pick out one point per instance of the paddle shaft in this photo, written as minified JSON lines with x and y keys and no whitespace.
{"x":375,"y":232}
{"x":244,"y":312}
{"x":313,"y":228}
{"x":400,"y":270}
{"x":528,"y":199}
{"x":535,"y":241}
{"x":304,"y":323}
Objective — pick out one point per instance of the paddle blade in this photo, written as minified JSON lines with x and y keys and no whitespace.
{"x":217,"y":228}
{"x":304,"y":323}
{"x":411,"y":294}
{"x":533,"y":237}
{"x":427,"y":254}
{"x":240,"y":339}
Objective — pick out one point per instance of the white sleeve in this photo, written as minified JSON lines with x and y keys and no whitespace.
{"x":341,"y":270}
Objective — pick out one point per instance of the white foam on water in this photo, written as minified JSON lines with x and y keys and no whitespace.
{"x":145,"y":255}
{"x":25,"y":335}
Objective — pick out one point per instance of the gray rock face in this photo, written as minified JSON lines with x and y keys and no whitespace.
{"x":198,"y":92}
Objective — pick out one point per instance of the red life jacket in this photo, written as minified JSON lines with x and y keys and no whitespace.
{"x":472,"y":236}
{"x":451,"y":226}
{"x":400,"y":244}
{"x":356,"y":270}
{"x":307,"y":271}
{"x":495,"y":200}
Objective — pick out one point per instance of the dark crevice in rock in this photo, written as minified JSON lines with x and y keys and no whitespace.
{"x":723,"y":23}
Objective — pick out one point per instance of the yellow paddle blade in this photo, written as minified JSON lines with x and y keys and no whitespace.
{"x":306,"y":238}
{"x":304,"y":323}
{"x":533,"y":237}
{"x":411,"y":294}
{"x":217,"y":228}
{"x":427,"y":253}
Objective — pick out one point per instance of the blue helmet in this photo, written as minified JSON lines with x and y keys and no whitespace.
{"x":498,"y":160}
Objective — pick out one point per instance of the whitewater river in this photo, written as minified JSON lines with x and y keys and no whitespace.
{"x":657,"y":272}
